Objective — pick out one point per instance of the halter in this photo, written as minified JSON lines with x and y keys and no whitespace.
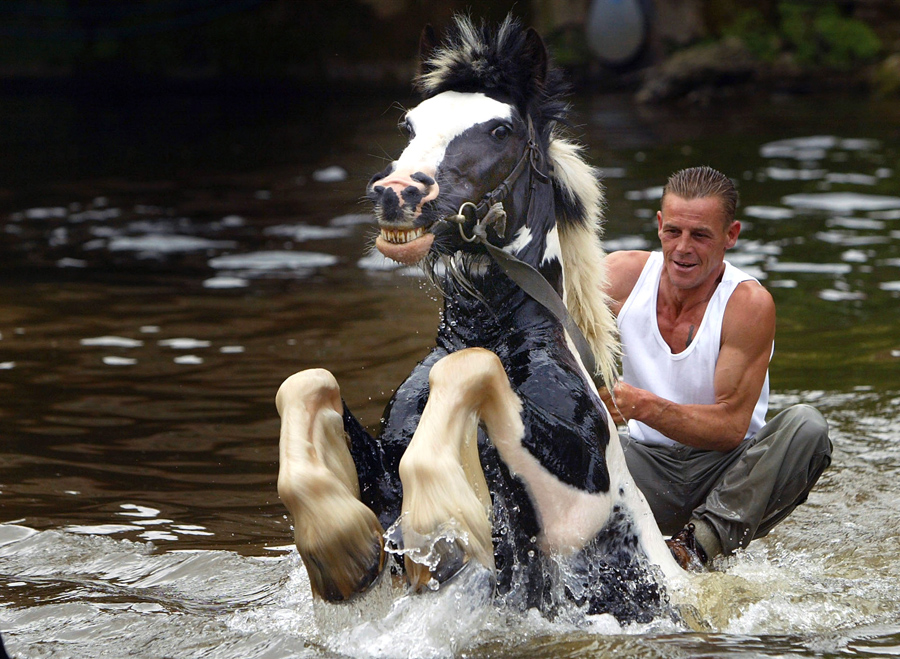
{"x":489,"y":212}
{"x":530,"y":156}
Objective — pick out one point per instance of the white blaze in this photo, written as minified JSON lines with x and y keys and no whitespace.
{"x":438,"y":120}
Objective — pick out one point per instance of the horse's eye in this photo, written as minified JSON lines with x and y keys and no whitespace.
{"x":501,"y":132}
{"x":407,"y":128}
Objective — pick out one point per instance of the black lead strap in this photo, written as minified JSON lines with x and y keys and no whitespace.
{"x":525,"y":276}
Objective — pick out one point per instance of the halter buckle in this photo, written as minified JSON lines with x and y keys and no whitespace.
{"x":468,"y":212}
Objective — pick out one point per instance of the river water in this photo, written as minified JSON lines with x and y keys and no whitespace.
{"x":168,"y":259}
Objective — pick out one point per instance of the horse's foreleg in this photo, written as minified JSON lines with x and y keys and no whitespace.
{"x":446,"y":502}
{"x":339,"y":538}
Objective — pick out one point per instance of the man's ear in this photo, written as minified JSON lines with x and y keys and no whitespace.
{"x":733,"y":232}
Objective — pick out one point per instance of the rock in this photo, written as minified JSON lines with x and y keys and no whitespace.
{"x":699,"y":70}
{"x":886,"y":78}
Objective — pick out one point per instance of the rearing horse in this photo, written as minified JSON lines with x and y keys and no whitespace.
{"x":496,"y":449}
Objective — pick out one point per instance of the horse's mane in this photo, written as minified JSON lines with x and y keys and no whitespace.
{"x":481,"y":59}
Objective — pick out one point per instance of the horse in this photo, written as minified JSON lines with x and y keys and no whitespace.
{"x":496,"y":451}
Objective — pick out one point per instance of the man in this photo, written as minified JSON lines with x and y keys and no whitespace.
{"x":697,"y":335}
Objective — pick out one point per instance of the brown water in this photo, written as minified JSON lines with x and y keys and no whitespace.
{"x":168,"y":261}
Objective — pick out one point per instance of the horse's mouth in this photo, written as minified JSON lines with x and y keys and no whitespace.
{"x":406,"y":246}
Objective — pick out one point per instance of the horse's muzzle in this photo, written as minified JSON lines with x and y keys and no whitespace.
{"x":399,"y":197}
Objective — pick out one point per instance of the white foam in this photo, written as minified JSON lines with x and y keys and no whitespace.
{"x":841,"y":202}
{"x":190,"y":360}
{"x":67,"y":262}
{"x":302,"y":232}
{"x":332,"y":174}
{"x":854,"y":256}
{"x":769,"y":212}
{"x":112,"y":360}
{"x":625,"y":242}
{"x":786,"y":174}
{"x":646,"y":194}
{"x":812,"y":268}
{"x":101,"y":529}
{"x":833,"y":295}
{"x":856,"y":223}
{"x":166,"y":244}
{"x":352,"y":219}
{"x":849,"y":239}
{"x":184,"y":343}
{"x":56,"y":212}
{"x":225,"y":282}
{"x":112,"y":342}
{"x":135,"y":510}
{"x":375,"y":260}
{"x":851,"y":178}
{"x":273,"y":260}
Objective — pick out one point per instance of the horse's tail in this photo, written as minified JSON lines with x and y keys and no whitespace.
{"x":580,"y":231}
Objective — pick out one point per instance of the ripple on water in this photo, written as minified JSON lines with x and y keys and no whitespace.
{"x":256,"y":264}
{"x":841,"y":202}
{"x":769,"y":212}
{"x":166,"y":244}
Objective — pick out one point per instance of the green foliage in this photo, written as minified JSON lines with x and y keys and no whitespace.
{"x":761,"y":39}
{"x":816,"y":34}
{"x":846,"y":41}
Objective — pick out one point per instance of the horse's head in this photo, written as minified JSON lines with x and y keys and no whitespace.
{"x":480,"y":135}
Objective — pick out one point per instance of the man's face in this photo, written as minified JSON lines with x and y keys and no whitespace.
{"x":694,"y":239}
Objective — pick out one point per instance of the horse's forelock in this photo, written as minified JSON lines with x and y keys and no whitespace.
{"x":504,"y":63}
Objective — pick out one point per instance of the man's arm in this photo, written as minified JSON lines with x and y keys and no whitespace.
{"x":748,"y":331}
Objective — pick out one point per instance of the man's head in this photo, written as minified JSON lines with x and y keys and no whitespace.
{"x":700,"y":182}
{"x":696,"y":225}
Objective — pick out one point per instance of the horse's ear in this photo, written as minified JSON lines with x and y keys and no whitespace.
{"x":536,"y":55}
{"x":427,"y":44}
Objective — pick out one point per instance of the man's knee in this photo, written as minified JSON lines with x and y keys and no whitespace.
{"x":812,"y":428}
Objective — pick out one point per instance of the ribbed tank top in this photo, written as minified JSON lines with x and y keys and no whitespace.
{"x":685,"y":377}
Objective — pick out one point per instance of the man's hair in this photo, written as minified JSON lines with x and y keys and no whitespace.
{"x":700,"y":182}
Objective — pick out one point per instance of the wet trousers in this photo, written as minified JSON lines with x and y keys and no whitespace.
{"x":743,"y":493}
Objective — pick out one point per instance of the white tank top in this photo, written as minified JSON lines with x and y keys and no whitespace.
{"x":686,"y":377}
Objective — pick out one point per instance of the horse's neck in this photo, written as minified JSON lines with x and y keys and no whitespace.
{"x":495,"y":310}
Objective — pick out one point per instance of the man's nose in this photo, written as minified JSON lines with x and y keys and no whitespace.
{"x":683,"y":244}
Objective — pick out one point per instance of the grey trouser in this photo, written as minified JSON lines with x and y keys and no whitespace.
{"x":741,"y":493}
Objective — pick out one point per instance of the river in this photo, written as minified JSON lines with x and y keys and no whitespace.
{"x":169,"y":258}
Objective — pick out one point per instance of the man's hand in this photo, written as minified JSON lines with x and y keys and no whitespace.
{"x":622,"y":402}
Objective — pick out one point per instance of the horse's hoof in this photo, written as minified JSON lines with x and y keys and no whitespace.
{"x":343,"y":551}
{"x":447,"y":558}
{"x":341,"y":580}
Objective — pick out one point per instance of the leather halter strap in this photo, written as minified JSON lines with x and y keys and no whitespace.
{"x":530,"y":156}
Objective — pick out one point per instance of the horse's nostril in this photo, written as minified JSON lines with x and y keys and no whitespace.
{"x":412,"y":195}
{"x":422,"y":178}
{"x":379,"y":189}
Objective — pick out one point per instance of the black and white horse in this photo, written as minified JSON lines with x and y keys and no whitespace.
{"x":496,"y":449}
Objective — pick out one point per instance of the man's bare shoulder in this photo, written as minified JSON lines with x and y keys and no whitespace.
{"x":623,"y":269}
{"x":750,"y":309}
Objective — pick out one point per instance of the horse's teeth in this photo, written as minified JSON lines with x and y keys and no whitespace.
{"x":401,"y":236}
